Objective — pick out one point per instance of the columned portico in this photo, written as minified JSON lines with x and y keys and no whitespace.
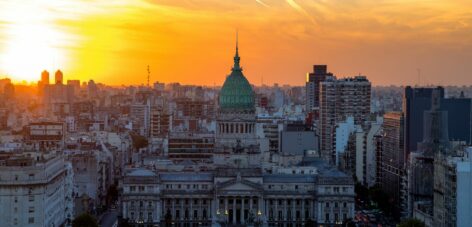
{"x":239,"y":209}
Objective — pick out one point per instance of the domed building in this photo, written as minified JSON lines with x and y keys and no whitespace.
{"x":236,"y":120}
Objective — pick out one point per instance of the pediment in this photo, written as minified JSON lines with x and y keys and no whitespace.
{"x":242,"y":185}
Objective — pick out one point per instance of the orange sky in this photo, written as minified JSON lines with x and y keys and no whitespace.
{"x":192,"y":41}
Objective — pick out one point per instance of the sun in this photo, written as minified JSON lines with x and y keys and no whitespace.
{"x":31,"y":43}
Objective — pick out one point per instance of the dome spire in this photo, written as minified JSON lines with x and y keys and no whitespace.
{"x":236,"y":66}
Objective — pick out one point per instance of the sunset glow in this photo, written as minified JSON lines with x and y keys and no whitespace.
{"x":192,"y":41}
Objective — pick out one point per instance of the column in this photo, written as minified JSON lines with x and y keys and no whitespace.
{"x":226,"y":211}
{"x":158,"y":211}
{"x":250,"y":205}
{"x":215,"y":205}
{"x":242,"y":210}
{"x":182,"y":210}
{"x":173,"y":209}
{"x":262,"y":203}
{"x":303,"y":210}
{"x":294,"y":202}
{"x":234,"y":210}
{"x":276,"y":211}
{"x":190,"y":210}
{"x":284,"y":214}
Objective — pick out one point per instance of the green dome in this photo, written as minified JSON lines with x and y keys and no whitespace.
{"x":236,"y":93}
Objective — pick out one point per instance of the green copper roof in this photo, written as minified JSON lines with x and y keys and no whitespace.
{"x":236,"y":93}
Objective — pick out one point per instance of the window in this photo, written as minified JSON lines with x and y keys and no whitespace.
{"x":132,"y":188}
{"x":132,"y":215}
{"x":31,"y":220}
{"x":327,"y":217}
{"x":141,"y":188}
{"x":31,"y":198}
{"x":31,"y":176}
{"x":344,"y":204}
{"x":336,"y":204}
{"x":296,"y":186}
{"x":149,"y":216}
{"x":150,"y":204}
{"x":31,"y":210}
{"x":195,"y":213}
{"x":327,"y":204}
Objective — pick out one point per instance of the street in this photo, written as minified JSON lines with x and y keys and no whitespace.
{"x":109,"y":219}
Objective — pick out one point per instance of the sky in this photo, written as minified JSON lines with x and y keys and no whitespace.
{"x":399,"y":42}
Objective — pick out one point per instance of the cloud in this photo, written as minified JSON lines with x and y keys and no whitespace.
{"x":300,"y":9}
{"x":262,"y":3}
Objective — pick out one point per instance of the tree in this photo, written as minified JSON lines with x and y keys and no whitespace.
{"x":139,"y":141}
{"x":84,"y":220}
{"x":411,"y":222}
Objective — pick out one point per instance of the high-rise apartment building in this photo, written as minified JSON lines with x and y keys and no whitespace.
{"x":452,"y":186}
{"x":313,"y":80}
{"x":393,"y":158}
{"x":35,"y":190}
{"x":160,"y":122}
{"x":340,"y":98}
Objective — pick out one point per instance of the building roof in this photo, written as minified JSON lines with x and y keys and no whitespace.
{"x":186,"y":177}
{"x":288,"y":178}
{"x":236,"y":94}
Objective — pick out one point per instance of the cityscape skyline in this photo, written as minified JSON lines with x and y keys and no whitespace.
{"x":160,"y":113}
{"x":108,"y":42}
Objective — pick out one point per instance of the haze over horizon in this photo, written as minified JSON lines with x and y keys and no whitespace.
{"x":192,"y":42}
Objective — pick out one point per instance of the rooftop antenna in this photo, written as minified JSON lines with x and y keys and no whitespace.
{"x":419,"y":77}
{"x":149,"y":75}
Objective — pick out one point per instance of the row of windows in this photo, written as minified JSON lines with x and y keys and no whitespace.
{"x":141,"y":188}
{"x":336,"y":204}
{"x":282,"y":187}
{"x":289,"y":202}
{"x":187,"y":186}
{"x":186,"y":201}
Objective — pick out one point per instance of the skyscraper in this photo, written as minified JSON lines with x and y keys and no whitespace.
{"x":313,"y":80}
{"x":338,"y":100}
{"x":45,"y":77}
{"x":393,"y":158}
{"x":58,"y":77}
{"x":418,"y":100}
